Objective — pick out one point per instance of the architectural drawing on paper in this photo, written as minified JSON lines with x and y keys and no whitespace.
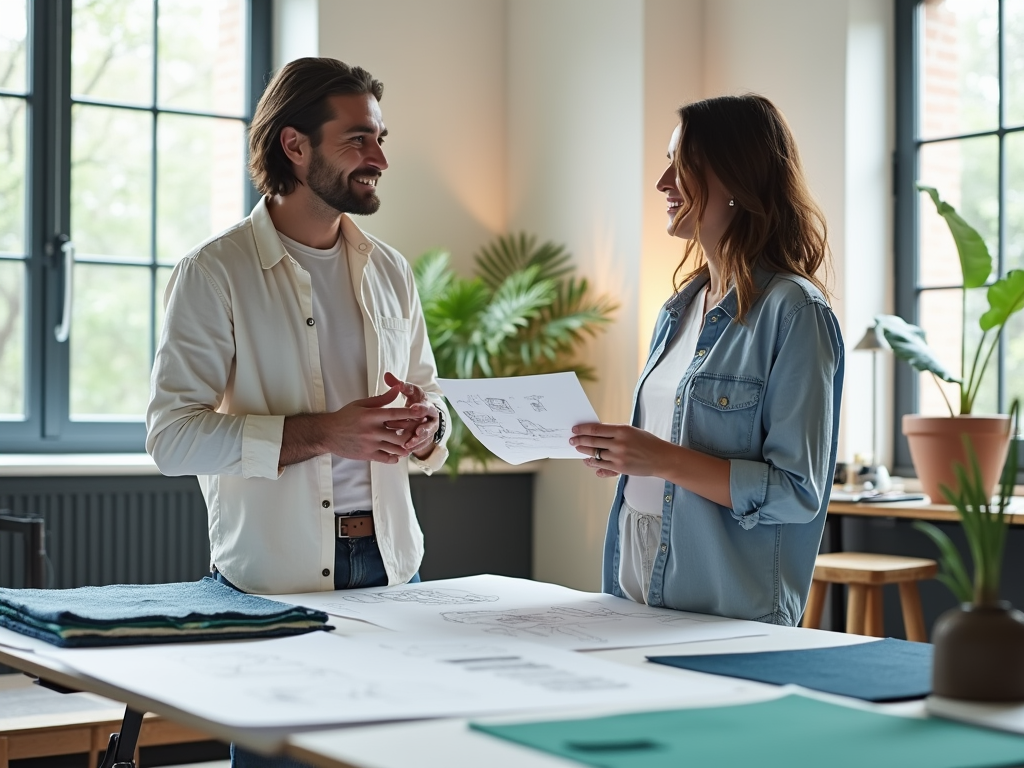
{"x":499,"y":405}
{"x":472,"y":400}
{"x":485,"y":423}
{"x":422,"y":596}
{"x":582,"y":621}
{"x":535,"y":402}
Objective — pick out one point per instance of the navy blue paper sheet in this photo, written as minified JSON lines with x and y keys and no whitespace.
{"x":884,"y":670}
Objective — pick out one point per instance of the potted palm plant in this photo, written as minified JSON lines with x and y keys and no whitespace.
{"x":522,"y":312}
{"x":937,"y":443}
{"x":979,"y":645}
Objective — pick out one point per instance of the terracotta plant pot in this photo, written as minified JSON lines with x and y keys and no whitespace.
{"x":936,"y":446}
{"x":979,"y":653}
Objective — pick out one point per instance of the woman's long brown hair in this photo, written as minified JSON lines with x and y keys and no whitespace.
{"x":746,"y":142}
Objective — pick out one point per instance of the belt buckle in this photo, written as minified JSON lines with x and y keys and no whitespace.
{"x":341,"y":524}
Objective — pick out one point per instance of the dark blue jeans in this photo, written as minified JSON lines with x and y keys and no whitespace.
{"x":357,"y":563}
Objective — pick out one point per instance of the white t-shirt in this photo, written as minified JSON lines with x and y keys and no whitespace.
{"x":640,"y":517}
{"x":342,"y":356}
{"x":657,"y":401}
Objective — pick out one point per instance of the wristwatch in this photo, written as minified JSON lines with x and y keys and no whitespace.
{"x":440,"y":426}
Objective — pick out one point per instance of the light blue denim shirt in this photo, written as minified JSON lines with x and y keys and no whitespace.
{"x":763,"y":394}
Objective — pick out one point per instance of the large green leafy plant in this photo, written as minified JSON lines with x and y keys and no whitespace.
{"x":522,"y":312}
{"x":984,"y":525}
{"x":1005,"y":298}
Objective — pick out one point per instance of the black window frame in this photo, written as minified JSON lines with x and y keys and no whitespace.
{"x":908,"y":59}
{"x":47,"y":426}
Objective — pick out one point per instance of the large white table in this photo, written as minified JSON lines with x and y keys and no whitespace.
{"x":445,"y":743}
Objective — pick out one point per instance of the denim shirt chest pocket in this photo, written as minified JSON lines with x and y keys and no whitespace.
{"x":722,"y":411}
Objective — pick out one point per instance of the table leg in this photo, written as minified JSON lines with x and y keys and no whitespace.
{"x":121,"y":747}
{"x":835,"y":544}
{"x":815,"y":602}
{"x":913,"y":617}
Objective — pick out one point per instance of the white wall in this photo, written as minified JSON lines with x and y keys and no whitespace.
{"x":442,"y":63}
{"x":575,"y":154}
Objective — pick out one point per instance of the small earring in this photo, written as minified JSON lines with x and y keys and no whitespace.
{"x":732,"y":202}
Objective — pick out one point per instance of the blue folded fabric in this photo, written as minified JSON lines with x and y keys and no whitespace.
{"x":884,"y":670}
{"x":125,"y":614}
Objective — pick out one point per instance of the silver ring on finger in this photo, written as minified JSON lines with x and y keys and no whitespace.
{"x":597,"y":454}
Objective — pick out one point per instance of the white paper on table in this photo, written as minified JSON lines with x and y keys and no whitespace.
{"x":1001,"y":716}
{"x":500,"y":606}
{"x":318,"y":679}
{"x":522,"y":418}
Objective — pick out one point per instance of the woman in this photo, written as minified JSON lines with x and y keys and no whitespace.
{"x":726,"y":471}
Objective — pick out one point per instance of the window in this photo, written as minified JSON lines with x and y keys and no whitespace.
{"x":122,"y":137}
{"x":960,"y":128}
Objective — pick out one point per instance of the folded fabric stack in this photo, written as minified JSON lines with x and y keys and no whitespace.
{"x":131,"y":614}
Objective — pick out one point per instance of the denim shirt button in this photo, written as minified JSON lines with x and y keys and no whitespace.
{"x":668,"y":499}
{"x":679,"y":400}
{"x":713,"y":318}
{"x":701,"y":352}
{"x":664,"y":547}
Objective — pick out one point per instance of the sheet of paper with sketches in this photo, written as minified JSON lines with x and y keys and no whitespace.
{"x":522,"y":418}
{"x":499,"y":606}
{"x":319,"y":679}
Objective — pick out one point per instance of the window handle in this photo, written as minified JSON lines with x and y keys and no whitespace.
{"x":63,"y":330}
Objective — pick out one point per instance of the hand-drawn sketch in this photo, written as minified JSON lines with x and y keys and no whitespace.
{"x":535,"y":402}
{"x":521,"y":418}
{"x":499,"y":404}
{"x":424,"y":596}
{"x":583,"y":621}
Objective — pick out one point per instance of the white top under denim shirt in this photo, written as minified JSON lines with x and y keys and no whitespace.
{"x":763,"y":394}
{"x":239,"y":351}
{"x":640,"y":515}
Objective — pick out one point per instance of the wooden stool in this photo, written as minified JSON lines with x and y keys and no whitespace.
{"x":865,"y":574}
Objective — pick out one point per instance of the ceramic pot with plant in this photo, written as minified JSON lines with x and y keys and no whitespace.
{"x":522,"y":312}
{"x":937,"y":443}
{"x":979,"y":645}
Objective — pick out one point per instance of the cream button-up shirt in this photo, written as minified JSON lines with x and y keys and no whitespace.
{"x":237,"y":354}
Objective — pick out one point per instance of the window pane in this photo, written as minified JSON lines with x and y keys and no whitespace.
{"x":966,"y":173}
{"x":112,"y":50}
{"x":110,"y":341}
{"x":1014,"y":52}
{"x":201,"y":55}
{"x":110,"y":181}
{"x":1014,"y":343}
{"x":1014,"y":148}
{"x":199,"y":181}
{"x":960,"y":69}
{"x":13,"y":44}
{"x":12,"y":340}
{"x":941,"y":318}
{"x":12,"y":175}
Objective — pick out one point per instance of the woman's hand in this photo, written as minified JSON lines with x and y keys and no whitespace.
{"x":623,"y":450}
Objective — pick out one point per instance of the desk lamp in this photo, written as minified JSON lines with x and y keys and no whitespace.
{"x":875,"y":473}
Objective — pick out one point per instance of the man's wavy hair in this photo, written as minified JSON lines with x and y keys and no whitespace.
{"x":297,"y":96}
{"x":746,"y":141}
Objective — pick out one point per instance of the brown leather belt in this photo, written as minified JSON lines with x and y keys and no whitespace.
{"x":354,"y":526}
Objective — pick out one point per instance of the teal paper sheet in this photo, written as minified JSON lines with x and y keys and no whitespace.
{"x":789,"y":732}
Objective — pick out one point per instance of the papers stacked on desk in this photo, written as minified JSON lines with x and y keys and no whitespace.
{"x":129,"y":614}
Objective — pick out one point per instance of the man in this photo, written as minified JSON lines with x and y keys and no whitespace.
{"x":287,"y":342}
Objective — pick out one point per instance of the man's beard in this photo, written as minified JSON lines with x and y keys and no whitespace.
{"x":326,"y":184}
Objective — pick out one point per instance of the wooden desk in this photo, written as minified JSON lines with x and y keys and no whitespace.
{"x":916,"y":510}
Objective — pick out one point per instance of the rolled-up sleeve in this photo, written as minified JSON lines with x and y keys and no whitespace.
{"x":186,"y":435}
{"x":799,"y":421}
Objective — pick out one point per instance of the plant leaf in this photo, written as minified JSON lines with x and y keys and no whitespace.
{"x":975,"y":260}
{"x":908,"y":343}
{"x":1005,"y":298}
{"x":509,"y":254}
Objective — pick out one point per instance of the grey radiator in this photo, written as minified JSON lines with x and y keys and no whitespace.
{"x":109,"y":530}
